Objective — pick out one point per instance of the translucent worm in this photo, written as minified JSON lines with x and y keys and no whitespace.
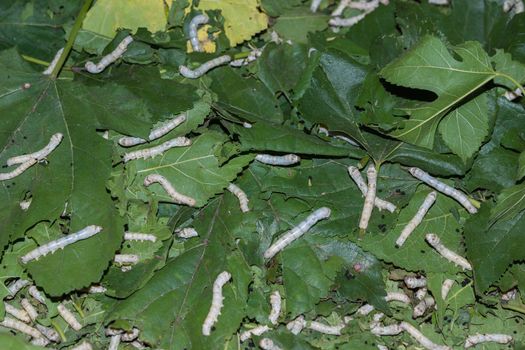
{"x":204,"y":68}
{"x":168,"y":187}
{"x":68,"y":316}
{"x":297,"y":325}
{"x":137,"y":236}
{"x":370,"y":197}
{"x":257,"y":331}
{"x":380,"y":204}
{"x":478,"y":338}
{"x":420,"y":338}
{"x":187,"y":232}
{"x":459,"y":196}
{"x":326,"y":329}
{"x":417,"y":219}
{"x":397,"y":296}
{"x":193,"y":28}
{"x":445,"y":288}
{"x":157,"y":150}
{"x":297,"y":231}
{"x":275,"y":302}
{"x":435,"y":242}
{"x":110,"y":58}
{"x":413,"y":282}
{"x":38,"y":155}
{"x":61,"y":243}
{"x":241,"y":195}
{"x":83,"y":346}
{"x":268,"y":344}
{"x":16,"y":286}
{"x":17,"y":313}
{"x":29,"y":308}
{"x":216,"y":303}
{"x":126,"y":259}
{"x":49,"y":333}
{"x":423,"y":306}
{"x":287,"y":159}
{"x":155,"y":134}
{"x":53,"y":63}
{"x":18,"y":171}
{"x":21,"y":327}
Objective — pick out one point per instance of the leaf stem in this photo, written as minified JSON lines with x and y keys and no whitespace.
{"x":35,"y":60}
{"x":520,"y":308}
{"x":514,"y":81}
{"x":474,"y":202}
{"x":72,"y":37}
{"x":59,"y":330}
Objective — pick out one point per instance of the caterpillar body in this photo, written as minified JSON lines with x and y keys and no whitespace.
{"x":257,"y":331}
{"x":346,"y":22}
{"x":288,"y":159}
{"x":29,"y":308}
{"x":157,"y":150}
{"x":21,"y":327}
{"x":268,"y":344}
{"x":18,"y":171}
{"x":137,"y":236}
{"x":68,"y":316}
{"x":445,"y":288}
{"x":16,"y":286}
{"x":297,"y":231}
{"x":459,"y":196}
{"x":17,"y":313}
{"x":386,"y":330}
{"x":155,"y":134}
{"x":423,"y":306}
{"x":397,"y":296}
{"x":204,"y":68}
{"x":194,"y":24}
{"x":512,"y":95}
{"x":314,"y":6}
{"x":35,"y":293}
{"x":241,"y":195}
{"x":458,"y":260}
{"x":420,"y":338}
{"x":421,"y":293}
{"x":254,"y":54}
{"x":39,"y":341}
{"x":129,"y":141}
{"x":110,"y":58}
{"x":365,"y":309}
{"x":216,"y":303}
{"x":49,"y":333}
{"x":168,"y":187}
{"x":370,"y":197}
{"x":130,"y":336}
{"x":510,"y":295}
{"x":61,"y":243}
{"x":38,"y":155}
{"x":360,"y":182}
{"x":24,"y":205}
{"x":126,"y":259}
{"x":114,"y":342}
{"x":97,"y":289}
{"x":297,"y":325}
{"x":417,"y":219}
{"x":438,"y":2}
{"x":247,"y":125}
{"x":187,"y":232}
{"x":53,"y":63}
{"x":485,"y":338}
{"x":413,"y":282}
{"x":275,"y":302}
{"x":83,"y":346}
{"x":326,"y":329}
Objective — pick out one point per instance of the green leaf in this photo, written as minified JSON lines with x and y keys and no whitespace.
{"x":494,"y":170}
{"x":296,"y":23}
{"x":510,"y":202}
{"x":521,"y":166}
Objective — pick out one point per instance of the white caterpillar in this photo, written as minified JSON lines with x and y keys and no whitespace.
{"x":53,"y":63}
{"x":445,"y":288}
{"x":130,"y":335}
{"x":510,"y":295}
{"x":49,"y":333}
{"x":512,"y":95}
{"x":420,"y":338}
{"x":155,"y":134}
{"x":287,"y":159}
{"x":444,"y":188}
{"x":157,"y":150}
{"x":20,"y":314}
{"x":257,"y":331}
{"x":475,"y":339}
{"x":421,"y":293}
{"x":241,"y":195}
{"x":435,"y":242}
{"x":126,"y":259}
{"x":24,"y":205}
{"x":381,"y":347}
{"x":21,"y":327}
{"x":370,"y":197}
{"x":325,"y":329}
{"x":247,"y":125}
{"x":29,"y":308}
{"x":216,"y":303}
{"x":69,"y":317}
{"x":417,"y":219}
{"x":365,"y":309}
{"x":194,"y":37}
{"x":83,"y":346}
{"x":360,"y":182}
{"x":18,"y":171}
{"x":438,"y":2}
{"x":110,"y":58}
{"x":386,"y":330}
{"x":397,"y":296}
{"x":114,"y":342}
{"x":39,"y":342}
{"x":297,"y":231}
{"x":187,"y":232}
{"x":367,"y":8}
{"x":168,"y":187}
{"x":137,"y":236}
{"x":35,"y":293}
{"x":268,"y":344}
{"x":275,"y":302}
{"x":61,"y":243}
{"x":254,"y":54}
{"x":314,"y":6}
{"x":204,"y":68}
{"x":138,"y":345}
{"x":423,"y":306}
{"x":297,"y":325}
{"x":413,"y":282}
{"x":97,"y":289}
{"x":15,"y":287}
{"x":343,"y":4}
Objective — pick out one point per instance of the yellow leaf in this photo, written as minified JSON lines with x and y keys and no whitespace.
{"x":106,"y":16}
{"x":242,"y":18}
{"x":207,"y":45}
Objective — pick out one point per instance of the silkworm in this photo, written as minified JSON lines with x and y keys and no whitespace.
{"x":194,"y":37}
{"x":29,"y":308}
{"x":129,"y":141}
{"x":420,"y":338}
{"x":297,"y":231}
{"x":114,"y":342}
{"x":130,"y":335}
{"x":17,"y":313}
{"x":326,"y":329}
{"x":343,"y":4}
{"x":423,"y":306}
{"x":478,"y":338}
{"x":254,"y":54}
{"x":438,"y":2}
{"x":287,"y":159}
{"x":49,"y":333}
{"x":61,"y":243}
{"x":459,"y":196}
{"x":157,"y":150}
{"x":268,"y":344}
{"x":68,"y":316}
{"x":397,"y":296}
{"x":314,"y":6}
{"x":137,"y":236}
{"x":413,"y":282}
{"x":168,"y":187}
{"x":18,"y":171}
{"x":216,"y":303}
{"x":360,"y":182}
{"x":97,"y":289}
{"x":35,"y":293}
{"x":16,"y":286}
{"x":510,"y":295}
{"x":381,"y":347}
{"x":386,"y":330}
{"x":435,"y":242}
{"x":204,"y":68}
{"x":126,"y":259}
{"x":365,"y":309}
{"x":417,"y":219}
{"x":155,"y":134}
{"x":24,"y":205}
{"x":445,"y":288}
{"x":241,"y":195}
{"x":186,"y":232}
{"x":421,"y":293}
{"x":39,"y":341}
{"x":512,"y":95}
{"x":347,"y":140}
{"x":257,"y":331}
{"x":275,"y":302}
{"x":246,"y":125}
{"x":53,"y":63}
{"x":109,"y":58}
{"x":370,"y":197}
{"x":138,"y":345}
{"x":21,"y":327}
{"x":346,"y":22}
{"x":297,"y":325}
{"x":83,"y":346}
